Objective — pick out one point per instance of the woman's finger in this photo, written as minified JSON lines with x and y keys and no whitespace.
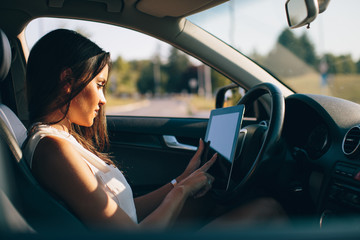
{"x":194,"y":163}
{"x":209,"y":163}
{"x":200,"y":150}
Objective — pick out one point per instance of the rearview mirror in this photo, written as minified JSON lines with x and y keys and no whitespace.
{"x":301,"y":12}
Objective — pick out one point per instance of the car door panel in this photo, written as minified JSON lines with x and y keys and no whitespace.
{"x":139,"y":149}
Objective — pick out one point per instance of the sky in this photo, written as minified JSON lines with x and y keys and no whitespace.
{"x":259,"y":22}
{"x":252,"y":25}
{"x":115,"y":40}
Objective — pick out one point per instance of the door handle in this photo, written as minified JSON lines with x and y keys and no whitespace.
{"x":172,"y":142}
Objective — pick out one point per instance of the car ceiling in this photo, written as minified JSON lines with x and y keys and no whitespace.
{"x":22,"y":11}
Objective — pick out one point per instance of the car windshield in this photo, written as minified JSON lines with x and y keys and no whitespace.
{"x":324,"y":59}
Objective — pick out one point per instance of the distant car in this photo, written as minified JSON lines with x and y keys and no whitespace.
{"x":300,"y":89}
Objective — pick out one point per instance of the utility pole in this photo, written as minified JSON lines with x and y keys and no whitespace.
{"x":232,"y":22}
{"x":208,"y":85}
{"x":156,"y":69}
{"x":200,"y":76}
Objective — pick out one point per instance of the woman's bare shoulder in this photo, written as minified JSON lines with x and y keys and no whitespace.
{"x":56,"y":162}
{"x":50,"y":149}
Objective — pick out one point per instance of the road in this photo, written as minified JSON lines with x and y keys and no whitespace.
{"x":158,"y":107}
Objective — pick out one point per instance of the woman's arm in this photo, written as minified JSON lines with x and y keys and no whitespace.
{"x":196,"y":185}
{"x":149,"y":202}
{"x":61,"y":170}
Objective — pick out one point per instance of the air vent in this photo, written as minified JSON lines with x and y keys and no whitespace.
{"x":351,"y":142}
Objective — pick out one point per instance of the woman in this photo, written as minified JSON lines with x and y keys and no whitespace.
{"x":66,"y":75}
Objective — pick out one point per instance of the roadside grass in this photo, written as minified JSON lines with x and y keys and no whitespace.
{"x":345,"y":86}
{"x":116,"y":101}
{"x":202,"y":103}
{"x":196,"y":102}
{"x":195,"y":105}
{"x":308,"y":83}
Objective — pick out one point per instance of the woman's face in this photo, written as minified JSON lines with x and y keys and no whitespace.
{"x":86,"y":105}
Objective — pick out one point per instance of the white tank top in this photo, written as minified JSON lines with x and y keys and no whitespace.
{"x":110,"y":177}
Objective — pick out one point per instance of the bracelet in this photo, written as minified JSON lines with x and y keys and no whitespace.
{"x":173,"y":182}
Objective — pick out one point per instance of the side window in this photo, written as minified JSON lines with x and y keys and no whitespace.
{"x":148,"y":77}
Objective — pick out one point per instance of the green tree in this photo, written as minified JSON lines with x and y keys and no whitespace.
{"x":145,"y":83}
{"x":308,"y":50}
{"x":288,"y":40}
{"x":348,"y":65}
{"x":331,"y":61}
{"x":175,"y":69}
{"x":123,"y":78}
{"x":341,"y":64}
{"x":190,"y":73}
{"x":291,"y":55}
{"x":358,"y":66}
{"x":301,"y":46}
{"x":218,"y":80}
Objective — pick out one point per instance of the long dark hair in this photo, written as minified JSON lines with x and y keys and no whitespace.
{"x":58,"y":51}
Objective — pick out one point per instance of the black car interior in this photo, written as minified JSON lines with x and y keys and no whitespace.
{"x":316,"y":174}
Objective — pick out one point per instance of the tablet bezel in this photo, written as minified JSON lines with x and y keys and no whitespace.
{"x":223,"y":111}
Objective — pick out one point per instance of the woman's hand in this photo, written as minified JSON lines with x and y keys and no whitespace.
{"x":199,"y":182}
{"x":194,"y":162}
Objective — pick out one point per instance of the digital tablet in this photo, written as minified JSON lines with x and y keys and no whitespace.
{"x":222,"y":133}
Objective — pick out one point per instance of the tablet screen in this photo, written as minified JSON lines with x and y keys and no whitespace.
{"x":223,"y":132}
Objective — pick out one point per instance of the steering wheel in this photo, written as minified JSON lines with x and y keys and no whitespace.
{"x":266,"y":140}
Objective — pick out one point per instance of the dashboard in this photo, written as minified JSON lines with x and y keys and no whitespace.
{"x":323,"y":133}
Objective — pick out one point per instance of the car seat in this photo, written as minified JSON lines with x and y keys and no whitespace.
{"x":24,"y":204}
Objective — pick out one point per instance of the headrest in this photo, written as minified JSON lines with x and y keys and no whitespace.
{"x":5,"y":56}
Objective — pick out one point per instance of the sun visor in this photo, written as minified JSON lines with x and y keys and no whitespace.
{"x":175,"y":8}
